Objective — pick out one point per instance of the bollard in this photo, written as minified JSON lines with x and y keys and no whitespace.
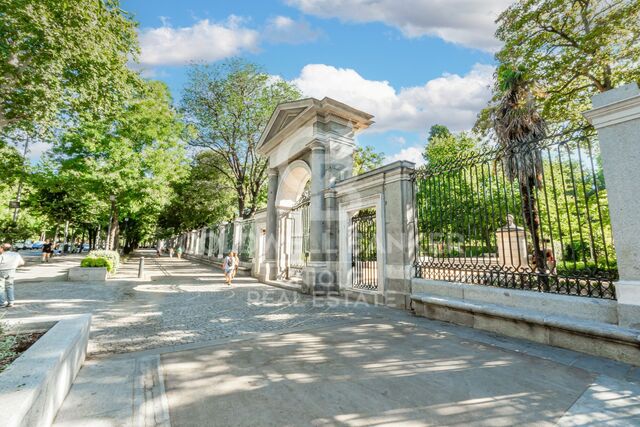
{"x":141,"y":268}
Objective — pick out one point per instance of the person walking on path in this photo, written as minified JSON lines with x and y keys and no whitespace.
{"x":236,"y":264}
{"x":229,"y":266}
{"x":47,"y":248}
{"x":179,"y":251}
{"x":9,"y":261}
{"x":170,"y":251}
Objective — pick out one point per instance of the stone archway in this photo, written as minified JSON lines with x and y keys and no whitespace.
{"x":292,"y":204}
{"x":294,"y":179}
{"x":309,"y":140}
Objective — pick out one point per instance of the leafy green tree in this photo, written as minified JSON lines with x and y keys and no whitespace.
{"x":365,"y":158}
{"x":205,"y":197}
{"x":572,"y":50}
{"x":134,"y":156}
{"x":444,"y":147}
{"x":438,"y":131}
{"x":63,"y":57}
{"x":227,"y":107}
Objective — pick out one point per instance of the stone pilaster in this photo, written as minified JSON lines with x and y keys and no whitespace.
{"x":616,"y":117}
{"x":271,"y":241}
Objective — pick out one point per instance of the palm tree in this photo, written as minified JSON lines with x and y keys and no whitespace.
{"x":519,"y":127}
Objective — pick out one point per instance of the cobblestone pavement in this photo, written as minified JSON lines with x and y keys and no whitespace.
{"x":184,"y":302}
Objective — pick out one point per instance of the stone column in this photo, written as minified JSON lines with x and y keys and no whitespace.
{"x":398,"y":227}
{"x":317,"y":278}
{"x":316,"y":205}
{"x":616,"y":117}
{"x":271,"y":240}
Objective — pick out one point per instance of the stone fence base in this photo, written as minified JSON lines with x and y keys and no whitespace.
{"x":576,"y":323}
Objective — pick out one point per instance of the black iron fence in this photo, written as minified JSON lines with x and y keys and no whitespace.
{"x":364,"y":253}
{"x":533,"y":216}
{"x":247,"y":241}
{"x":299,"y":227}
{"x":229,"y":229}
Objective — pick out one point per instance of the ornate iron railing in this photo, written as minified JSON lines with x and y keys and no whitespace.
{"x":247,"y":242}
{"x":300,"y":227}
{"x":533,"y":216}
{"x":214,"y":241}
{"x":228,"y":238}
{"x":364,"y":254}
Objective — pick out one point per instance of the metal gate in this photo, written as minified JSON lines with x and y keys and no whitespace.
{"x":364,"y":254}
{"x":298,"y":219}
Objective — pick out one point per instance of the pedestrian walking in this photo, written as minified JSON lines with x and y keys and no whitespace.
{"x":9,"y":262}
{"x":229,"y":266}
{"x":236,"y":264}
{"x":179,"y":252}
{"x":47,"y":249}
{"x":170,"y":251}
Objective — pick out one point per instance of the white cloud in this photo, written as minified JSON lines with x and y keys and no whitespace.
{"x":412,"y":154}
{"x":204,"y":41}
{"x":399,"y":140}
{"x":470,"y":23}
{"x":451,"y":99}
{"x":282,"y":29}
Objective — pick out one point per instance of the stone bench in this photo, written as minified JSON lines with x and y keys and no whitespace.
{"x":557,"y":329}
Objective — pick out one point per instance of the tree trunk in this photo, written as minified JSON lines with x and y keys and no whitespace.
{"x":115,"y":230}
{"x":532,"y":219}
{"x":240,"y":206}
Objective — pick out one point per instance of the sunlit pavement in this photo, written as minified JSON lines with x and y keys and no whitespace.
{"x":186,"y":349}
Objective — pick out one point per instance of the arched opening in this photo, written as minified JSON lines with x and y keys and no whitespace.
{"x":292,"y":201}
{"x":292,"y":184}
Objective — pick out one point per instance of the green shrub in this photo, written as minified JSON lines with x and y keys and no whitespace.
{"x":93,"y":261}
{"x":112,"y":256}
{"x":6,"y":346}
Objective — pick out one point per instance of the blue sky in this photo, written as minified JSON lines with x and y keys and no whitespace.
{"x":411,"y":63}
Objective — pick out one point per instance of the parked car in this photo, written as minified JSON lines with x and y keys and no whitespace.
{"x":18,"y":245}
{"x":28,"y":245}
{"x":37,"y":244}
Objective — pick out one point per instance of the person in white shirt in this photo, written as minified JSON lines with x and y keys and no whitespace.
{"x":9,"y":262}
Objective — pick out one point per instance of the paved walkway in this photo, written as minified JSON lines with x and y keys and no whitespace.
{"x":184,"y":302}
{"x":183,"y":349}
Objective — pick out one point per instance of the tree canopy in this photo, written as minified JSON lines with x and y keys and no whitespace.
{"x":59,"y":58}
{"x":571,"y":50}
{"x":227,"y":107}
{"x":444,"y":146}
{"x":133,"y":155}
{"x":366,"y":158}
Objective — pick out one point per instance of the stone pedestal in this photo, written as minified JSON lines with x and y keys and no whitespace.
{"x":616,"y":116}
{"x":318,"y":279}
{"x":512,"y":246}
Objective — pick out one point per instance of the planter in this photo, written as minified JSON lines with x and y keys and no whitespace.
{"x":34,"y":386}
{"x":88,"y":274}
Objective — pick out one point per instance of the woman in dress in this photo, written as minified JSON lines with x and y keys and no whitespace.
{"x":229,"y":266}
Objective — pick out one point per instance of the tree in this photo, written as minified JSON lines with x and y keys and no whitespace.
{"x":204,"y":197}
{"x":572,"y":50}
{"x":134,"y":155}
{"x":365,"y":158}
{"x":61,"y":57}
{"x":227,"y":108}
{"x":438,"y":131}
{"x":444,"y":147}
{"x":518,"y":126}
